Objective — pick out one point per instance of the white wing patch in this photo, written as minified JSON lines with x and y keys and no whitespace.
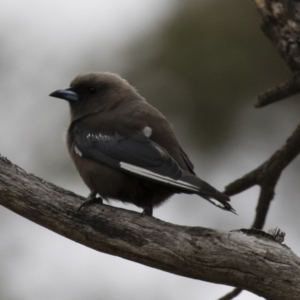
{"x":77,"y":151}
{"x":158,"y":177}
{"x":147,"y":131}
{"x":216,"y":202}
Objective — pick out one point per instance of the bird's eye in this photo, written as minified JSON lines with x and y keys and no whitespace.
{"x":91,"y":90}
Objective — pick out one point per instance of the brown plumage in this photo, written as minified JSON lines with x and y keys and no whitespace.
{"x":124,"y":148}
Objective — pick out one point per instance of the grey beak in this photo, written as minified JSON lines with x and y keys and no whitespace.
{"x":67,"y":94}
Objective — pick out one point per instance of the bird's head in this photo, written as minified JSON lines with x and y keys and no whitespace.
{"x":95,"y":92}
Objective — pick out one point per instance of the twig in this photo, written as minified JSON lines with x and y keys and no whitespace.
{"x":232,"y":294}
{"x":284,"y":90}
{"x":266,"y":176}
{"x":265,"y":197}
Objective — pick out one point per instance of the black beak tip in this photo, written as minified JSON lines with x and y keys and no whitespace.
{"x":65,"y":94}
{"x":54,"y":94}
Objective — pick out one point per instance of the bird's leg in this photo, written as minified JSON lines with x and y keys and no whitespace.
{"x":148,"y":211}
{"x":91,"y":199}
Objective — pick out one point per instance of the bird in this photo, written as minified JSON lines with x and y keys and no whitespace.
{"x":125,"y":149}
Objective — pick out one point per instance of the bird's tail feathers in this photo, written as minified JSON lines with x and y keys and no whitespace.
{"x":217,"y":198}
{"x":209,"y":193}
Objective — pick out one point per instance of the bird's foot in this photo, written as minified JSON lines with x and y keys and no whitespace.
{"x":91,"y":199}
{"x":148,"y":211}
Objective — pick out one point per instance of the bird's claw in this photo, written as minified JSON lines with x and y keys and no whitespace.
{"x":91,"y":199}
{"x":148,"y":211}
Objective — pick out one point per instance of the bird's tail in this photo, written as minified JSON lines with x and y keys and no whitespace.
{"x":217,"y":198}
{"x":209,"y":193}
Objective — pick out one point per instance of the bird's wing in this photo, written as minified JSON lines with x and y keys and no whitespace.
{"x":133,"y":153}
{"x":187,"y":161}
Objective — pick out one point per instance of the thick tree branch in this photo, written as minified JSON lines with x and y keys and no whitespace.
{"x":262,"y":266}
{"x":281,"y":24}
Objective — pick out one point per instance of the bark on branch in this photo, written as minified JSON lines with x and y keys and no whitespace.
{"x":281,"y":24}
{"x":254,"y":263}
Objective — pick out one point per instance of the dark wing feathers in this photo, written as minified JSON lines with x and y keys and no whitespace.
{"x":136,"y":150}
{"x":140,"y":156}
{"x":187,"y":161}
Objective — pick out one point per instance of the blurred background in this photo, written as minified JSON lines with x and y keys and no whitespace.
{"x":202,"y":63}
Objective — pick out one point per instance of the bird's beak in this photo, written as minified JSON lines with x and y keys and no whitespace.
{"x":67,"y":94}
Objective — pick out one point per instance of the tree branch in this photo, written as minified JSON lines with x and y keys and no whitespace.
{"x":266,"y":176}
{"x":254,"y":263}
{"x":281,"y":24}
{"x":284,"y":90}
{"x":235,"y":292}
